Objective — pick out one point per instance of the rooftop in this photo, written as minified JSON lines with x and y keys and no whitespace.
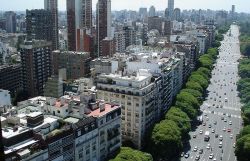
{"x":108,"y":108}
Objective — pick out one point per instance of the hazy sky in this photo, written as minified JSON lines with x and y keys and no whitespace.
{"x":241,"y":5}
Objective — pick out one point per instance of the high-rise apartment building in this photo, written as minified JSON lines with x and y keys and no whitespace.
{"x":151,"y":12}
{"x":11,"y":77}
{"x":177,"y":14}
{"x":103,"y":22}
{"x":171,"y":8}
{"x":120,"y":41}
{"x":39,"y":25}
{"x":130,"y":36}
{"x":79,"y":17}
{"x":51,"y":5}
{"x":10,"y":17}
{"x":36,"y":65}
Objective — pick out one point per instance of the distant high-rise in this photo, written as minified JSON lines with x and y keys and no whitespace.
{"x":233,"y":8}
{"x":51,"y":5}
{"x":171,"y":8}
{"x":103,"y":21}
{"x":39,"y":25}
{"x":233,"y":11}
{"x":10,"y":17}
{"x":151,"y":12}
{"x":79,"y":17}
{"x":143,"y":13}
{"x":177,"y":14}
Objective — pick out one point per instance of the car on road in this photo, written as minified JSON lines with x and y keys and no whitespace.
{"x":194,"y":136}
{"x":197,"y":157}
{"x":225,"y":120}
{"x":204,"y":124}
{"x":221,"y":138}
{"x":182,"y":154}
{"x":234,"y":145}
{"x":222,"y":118}
{"x":216,"y":135}
{"x":186,"y":155}
{"x":213,"y":131}
{"x":201,"y":131}
{"x":195,"y":149}
{"x":211,"y":156}
{"x":209,"y":126}
{"x":208,"y":146}
{"x":229,"y":130}
{"x":220,"y":145}
{"x":200,"y":151}
{"x":215,"y":122}
{"x":230,"y":122}
{"x":231,"y":136}
{"x":214,"y":159}
{"x":224,"y":129}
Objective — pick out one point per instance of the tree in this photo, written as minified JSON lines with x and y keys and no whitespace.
{"x":195,"y":93}
{"x":180,"y":118}
{"x":194,"y":85}
{"x":242,"y":149}
{"x":206,"y":62}
{"x":187,"y":108}
{"x":205,"y":71}
{"x":166,"y":140}
{"x":244,"y":131}
{"x":186,"y":97}
{"x":245,"y":49}
{"x":128,"y":154}
{"x":199,"y":79}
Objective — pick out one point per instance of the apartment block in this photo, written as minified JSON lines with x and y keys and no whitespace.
{"x":11,"y":77}
{"x":77,"y":64}
{"x":36,"y":65}
{"x":136,"y":95}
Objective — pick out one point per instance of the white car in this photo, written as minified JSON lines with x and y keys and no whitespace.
{"x":231,"y":136}
{"x":220,"y":145}
{"x":211,"y":156}
{"x":221,"y":138}
{"x":208,"y":146}
{"x":230,"y":122}
{"x":201,"y":131}
{"x":195,"y":149}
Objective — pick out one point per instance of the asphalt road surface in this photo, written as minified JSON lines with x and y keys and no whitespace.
{"x":222,"y":103}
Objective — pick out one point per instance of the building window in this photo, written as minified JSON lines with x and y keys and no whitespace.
{"x":87,"y":151}
{"x":80,"y":155}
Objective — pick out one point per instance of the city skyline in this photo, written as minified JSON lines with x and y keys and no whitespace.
{"x":241,"y":5}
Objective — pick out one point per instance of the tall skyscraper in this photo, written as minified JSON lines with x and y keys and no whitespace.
{"x":233,"y":12}
{"x":171,"y":8}
{"x":177,"y":14}
{"x":39,"y":25}
{"x":10,"y":17}
{"x":151,"y":12}
{"x":51,"y":5}
{"x":103,"y":21}
{"x":79,"y":17}
{"x":36,"y":65}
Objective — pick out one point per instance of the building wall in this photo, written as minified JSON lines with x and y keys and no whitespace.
{"x":77,"y":64}
{"x":11,"y":77}
{"x":39,"y":25}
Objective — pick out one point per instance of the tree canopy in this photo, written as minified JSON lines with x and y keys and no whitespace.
{"x":166,"y":140}
{"x":129,"y":154}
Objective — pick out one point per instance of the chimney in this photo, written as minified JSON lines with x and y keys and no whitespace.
{"x":102,"y":106}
